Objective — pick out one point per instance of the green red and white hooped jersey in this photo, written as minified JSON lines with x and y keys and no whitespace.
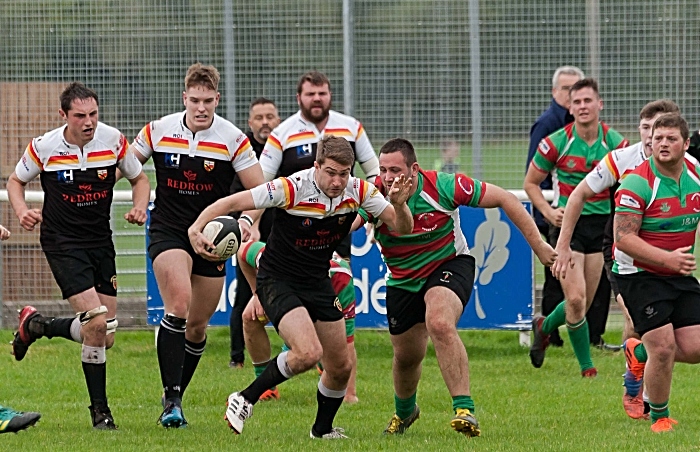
{"x":341,"y":279}
{"x":192,"y":170}
{"x":78,"y":185}
{"x":309,"y":225}
{"x":437,"y":235}
{"x":670,"y":211}
{"x":291,"y":147}
{"x":615,"y":166}
{"x":568,"y":158}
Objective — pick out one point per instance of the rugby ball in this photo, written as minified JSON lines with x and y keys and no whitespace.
{"x":225,"y":234}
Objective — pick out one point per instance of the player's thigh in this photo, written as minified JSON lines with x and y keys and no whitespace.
{"x":592,"y":269}
{"x":172,"y":269}
{"x":206,"y":293}
{"x":86,"y":300}
{"x":333,"y":340}
{"x":688,"y":344}
{"x":298,"y":331}
{"x":410,"y":346}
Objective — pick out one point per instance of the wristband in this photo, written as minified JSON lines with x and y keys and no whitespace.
{"x":247,"y":219}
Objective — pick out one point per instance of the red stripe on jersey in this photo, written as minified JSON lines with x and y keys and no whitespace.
{"x":569,"y":130}
{"x":125,"y":146}
{"x":464,"y":190}
{"x":423,"y":272}
{"x":274,"y":142}
{"x":312,"y":205}
{"x":347,"y":203}
{"x":33,"y":155}
{"x":363,"y":189}
{"x":299,"y":136}
{"x":668,"y":240}
{"x":349,"y":311}
{"x":339,"y":279}
{"x":399,"y":251}
{"x":210,"y":144}
{"x":290,"y":192}
{"x":175,"y":140}
{"x":97,"y":154}
{"x":244,"y":145}
{"x":147,"y":129}
{"x":63,"y":159}
{"x":430,"y":184}
{"x":547,"y":150}
{"x":566,"y":189}
{"x":575,"y":164}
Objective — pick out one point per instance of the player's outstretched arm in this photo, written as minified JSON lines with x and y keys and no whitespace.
{"x":495,"y":196}
{"x":140,"y":195}
{"x":574,"y":207}
{"x":28,"y":218}
{"x":626,"y":229}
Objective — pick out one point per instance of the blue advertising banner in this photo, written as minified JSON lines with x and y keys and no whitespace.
{"x":502,"y":297}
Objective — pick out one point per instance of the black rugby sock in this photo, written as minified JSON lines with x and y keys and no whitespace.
{"x":270,"y":378}
{"x":193,"y":353}
{"x":327,"y":409}
{"x":96,"y":380}
{"x":171,"y":354}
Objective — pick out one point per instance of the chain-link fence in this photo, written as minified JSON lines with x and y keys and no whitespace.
{"x":476,"y":72}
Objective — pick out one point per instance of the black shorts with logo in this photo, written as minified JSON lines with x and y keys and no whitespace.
{"x":405,"y":309}
{"x":588,"y":234}
{"x":654,"y":300}
{"x":78,"y":270}
{"x":278,"y":297}
{"x":164,"y":240}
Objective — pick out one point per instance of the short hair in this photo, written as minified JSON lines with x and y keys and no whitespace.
{"x":335,"y":148}
{"x":566,"y":70}
{"x":587,"y":82}
{"x":261,"y":101}
{"x":658,"y":106}
{"x":201,"y":75}
{"x":672,"y":121}
{"x":403,"y":146}
{"x":316,"y":78}
{"x":74,"y":91}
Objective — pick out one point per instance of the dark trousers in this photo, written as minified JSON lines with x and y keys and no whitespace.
{"x":243,"y":295}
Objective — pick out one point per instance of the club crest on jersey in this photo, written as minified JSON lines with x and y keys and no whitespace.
{"x":341,"y":220}
{"x":65,"y":176}
{"x":665,"y":207}
{"x":570,"y":163}
{"x":307,"y":222}
{"x":209,"y":165}
{"x":102,"y":174}
{"x":172,"y":161}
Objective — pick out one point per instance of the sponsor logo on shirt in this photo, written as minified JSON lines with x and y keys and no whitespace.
{"x":190,"y":175}
{"x":304,"y":150}
{"x":306,"y":222}
{"x":628,"y":201}
{"x":172,"y":161}
{"x":65,"y":177}
{"x":544,"y":147}
{"x":469,"y":189}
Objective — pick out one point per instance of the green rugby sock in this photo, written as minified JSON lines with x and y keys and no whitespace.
{"x":659,"y":410}
{"x":556,"y":319}
{"x":404,"y":407}
{"x":578,"y":334}
{"x":640,"y":352}
{"x":462,"y":401}
{"x":258,"y":368}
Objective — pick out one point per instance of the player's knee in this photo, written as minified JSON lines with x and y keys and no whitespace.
{"x":309,"y":355}
{"x":94,"y":323}
{"x":440,"y":328}
{"x":663,"y":352}
{"x":109,"y":341}
{"x":404,"y":360}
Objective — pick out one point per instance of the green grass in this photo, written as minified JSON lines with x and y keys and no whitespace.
{"x":518,"y":407}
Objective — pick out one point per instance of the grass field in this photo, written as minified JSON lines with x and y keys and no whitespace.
{"x":518,"y":407}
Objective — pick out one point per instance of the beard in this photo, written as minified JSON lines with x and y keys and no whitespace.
{"x":315,"y":118}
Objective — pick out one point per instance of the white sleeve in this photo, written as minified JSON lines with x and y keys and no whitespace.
{"x":276,"y":193}
{"x":29,"y":166}
{"x":603,"y":175}
{"x":271,"y":157}
{"x":129,"y":165}
{"x":142,"y":143}
{"x":244,"y":155}
{"x":364,"y":152}
{"x":371,"y":200}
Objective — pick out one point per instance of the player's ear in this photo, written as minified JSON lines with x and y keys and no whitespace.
{"x":184,"y":98}
{"x":62,"y":114}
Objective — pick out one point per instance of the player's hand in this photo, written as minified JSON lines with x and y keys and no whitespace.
{"x":4,"y":233}
{"x":257,"y":311}
{"x":554,"y":216}
{"x":254,"y":232}
{"x":400,"y":190}
{"x":29,"y":218}
{"x":136,"y":216}
{"x":681,"y":261}
{"x":545,"y":253}
{"x":201,"y":245}
{"x":245,"y":231}
{"x":563,"y":262}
